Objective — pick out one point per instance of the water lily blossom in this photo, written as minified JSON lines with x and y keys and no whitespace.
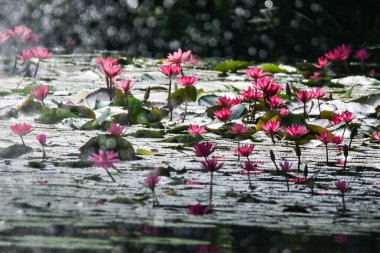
{"x":40,"y":93}
{"x":41,"y":138}
{"x":249,"y":166}
{"x":125,"y":85}
{"x":223,"y":114}
{"x":204,"y":149}
{"x":105,"y":160}
{"x":150,"y":182}
{"x":196,"y":129}
{"x":211,"y":165}
{"x":245,"y":150}
{"x":271,"y":127}
{"x":109,"y":68}
{"x":361,"y":55}
{"x":116,"y":129}
{"x":343,"y":187}
{"x":177,"y":57}
{"x":187,"y":81}
{"x":256,"y":73}
{"x":323,"y":62}
{"x":285,"y":168}
{"x":21,"y":129}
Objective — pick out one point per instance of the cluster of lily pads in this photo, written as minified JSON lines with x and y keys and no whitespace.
{"x":262,"y":107}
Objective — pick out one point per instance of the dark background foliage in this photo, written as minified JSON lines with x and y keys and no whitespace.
{"x":240,"y":29}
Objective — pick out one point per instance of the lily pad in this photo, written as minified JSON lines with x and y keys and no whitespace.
{"x":272,"y":68}
{"x":231,"y":66}
{"x":53,"y":116}
{"x":186,"y":138}
{"x":142,"y":133}
{"x":108,"y":142}
{"x":14,"y":151}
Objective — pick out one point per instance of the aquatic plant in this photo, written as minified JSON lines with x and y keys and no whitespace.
{"x":41,"y":138}
{"x":343,"y":187}
{"x":151,"y":182}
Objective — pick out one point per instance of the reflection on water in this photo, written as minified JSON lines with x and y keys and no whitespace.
{"x":149,"y":239}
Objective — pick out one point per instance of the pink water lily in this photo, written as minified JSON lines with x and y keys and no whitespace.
{"x":116,"y":129}
{"x":361,"y":55}
{"x":340,"y":53}
{"x":296,"y":131}
{"x":245,"y":150}
{"x":249,"y":166}
{"x":178,"y":57}
{"x":323,"y":62}
{"x":3,"y":37}
{"x":223,"y":114}
{"x":105,"y":160}
{"x":21,"y":129}
{"x":125,"y":85}
{"x":40,"y":92}
{"x":227,"y":101}
{"x":285,"y":168}
{"x":25,"y":55}
{"x":150,"y":182}
{"x":376,"y":136}
{"x":343,"y":187}
{"x":256,"y":73}
{"x":271,"y":127}
{"x":187,"y":81}
{"x":170,"y":70}
{"x":239,"y":129}
{"x":275,"y":102}
{"x":211,"y":165}
{"x":204,"y":149}
{"x":196,"y":129}
{"x":41,"y":138}
{"x":41,"y":53}
{"x":251,"y":94}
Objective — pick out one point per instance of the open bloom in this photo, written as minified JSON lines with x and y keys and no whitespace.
{"x":40,"y":92}
{"x":361,"y":55}
{"x":23,"y":34}
{"x":263,"y":83}
{"x":296,"y":131}
{"x":151,"y":181}
{"x":340,"y":53}
{"x":305,"y":96}
{"x":25,"y":55}
{"x":198,"y":209}
{"x":211,"y":165}
{"x":170,"y":70}
{"x":324,"y":137}
{"x":41,"y":53}
{"x":224,"y":100}
{"x":271,"y":126}
{"x":245,"y":150}
{"x":316,"y":75}
{"x":239,"y":129}
{"x":318,"y":93}
{"x":105,"y":159}
{"x":248,"y":166}
{"x":115,"y":129}
{"x":223,"y":114}
{"x":347,"y":117}
{"x":336,"y":139}
{"x":256,"y":73}
{"x":285,"y":166}
{"x":187,"y":81}
{"x":196,"y":129}
{"x":41,"y":138}
{"x":275,"y":102}
{"x":176,"y":58}
{"x":108,"y":67}
{"x":323,"y":62}
{"x":251,"y":94}
{"x":126,"y":85}
{"x":204,"y":149}
{"x":342,"y":186}
{"x":21,"y":129}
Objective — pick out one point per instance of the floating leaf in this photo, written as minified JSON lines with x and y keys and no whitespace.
{"x":74,"y":164}
{"x":177,"y":130}
{"x":83,"y":112}
{"x":143,"y":152}
{"x":272,"y":68}
{"x":186,"y":138}
{"x":237,"y":111}
{"x":142,"y":133}
{"x":14,"y":151}
{"x":108,"y":142}
{"x":182,"y":94}
{"x":208,"y":100}
{"x":53,"y":116}
{"x":30,"y":106}
{"x":231,"y":66}
{"x":327,"y":114}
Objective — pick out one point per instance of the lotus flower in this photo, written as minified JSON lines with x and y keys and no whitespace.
{"x":150,"y":182}
{"x":343,"y":187}
{"x":3,"y":37}
{"x":227,"y":101}
{"x":340,"y":53}
{"x":239,"y":129}
{"x":249,"y":166}
{"x":256,"y":73}
{"x":361,"y":55}
{"x":211,"y":165}
{"x":40,"y":92}
{"x":178,"y":57}
{"x":126,"y":85}
{"x":170,"y":70}
{"x":198,"y":209}
{"x":223,"y":114}
{"x":116,"y":129}
{"x":323,"y":62}
{"x":187,"y":81}
{"x":285,"y":167}
{"x":41,"y":138}
{"x":296,"y":131}
{"x":245,"y":150}
{"x":271,"y":127}
{"x":204,"y":149}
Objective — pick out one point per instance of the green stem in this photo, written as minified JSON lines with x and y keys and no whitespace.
{"x":22,"y":140}
{"x":344,"y":202}
{"x":210,"y":197}
{"x":327,"y":153}
{"x":109,"y":174}
{"x":287,"y":182}
{"x":184,"y":115}
{"x":38,"y":64}
{"x":249,"y":180}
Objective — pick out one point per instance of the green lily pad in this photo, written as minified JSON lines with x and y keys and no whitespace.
{"x":186,"y":138}
{"x":53,"y":116}
{"x":14,"y":151}
{"x":272,"y":68}
{"x":208,"y":100}
{"x":231,"y":66}
{"x":142,"y":133}
{"x":108,"y":142}
{"x":187,"y":93}
{"x":83,"y":112}
{"x":177,"y":130}
{"x":143,"y":152}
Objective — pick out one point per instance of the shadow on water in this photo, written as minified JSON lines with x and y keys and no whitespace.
{"x":126,"y":238}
